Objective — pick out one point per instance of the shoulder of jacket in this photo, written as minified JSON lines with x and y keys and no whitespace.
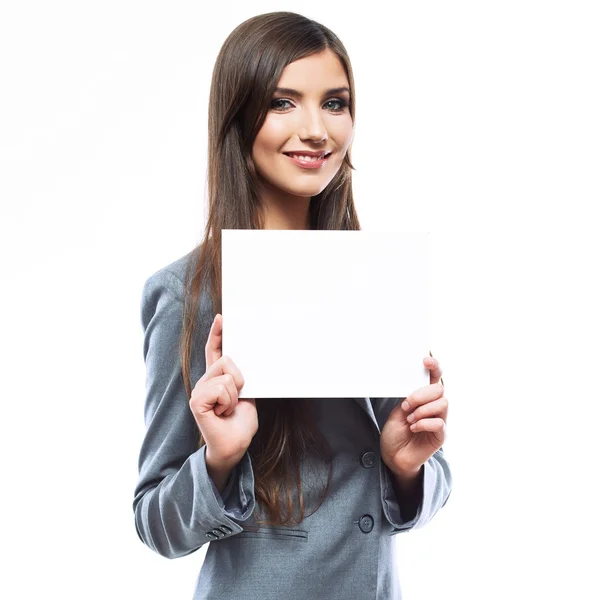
{"x":170,"y":278}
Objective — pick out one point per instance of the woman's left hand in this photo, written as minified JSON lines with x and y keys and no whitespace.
{"x":416,"y":428}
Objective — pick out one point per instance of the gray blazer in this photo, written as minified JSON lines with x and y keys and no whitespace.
{"x":343,"y":550}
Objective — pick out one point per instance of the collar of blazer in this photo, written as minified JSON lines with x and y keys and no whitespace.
{"x":365,"y":404}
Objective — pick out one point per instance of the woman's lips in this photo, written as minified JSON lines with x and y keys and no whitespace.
{"x":309,"y":164}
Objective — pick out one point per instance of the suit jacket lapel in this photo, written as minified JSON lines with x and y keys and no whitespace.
{"x":365,"y":404}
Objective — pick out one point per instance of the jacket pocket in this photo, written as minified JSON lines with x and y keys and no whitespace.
{"x":285,"y":534}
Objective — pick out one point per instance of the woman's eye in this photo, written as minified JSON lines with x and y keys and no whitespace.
{"x":274,"y":103}
{"x":342,"y":104}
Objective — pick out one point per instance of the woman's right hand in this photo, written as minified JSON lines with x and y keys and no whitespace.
{"x":227,"y":423}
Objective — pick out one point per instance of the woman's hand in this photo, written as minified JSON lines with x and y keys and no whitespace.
{"x":416,"y":428}
{"x":227,"y":423}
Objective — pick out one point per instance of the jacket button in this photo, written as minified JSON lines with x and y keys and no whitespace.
{"x":368,"y":459}
{"x":225,"y":529}
{"x":366,"y":523}
{"x":211,"y":536}
{"x":218,"y":532}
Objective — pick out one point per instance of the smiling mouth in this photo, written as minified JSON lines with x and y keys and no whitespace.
{"x":308,"y":158}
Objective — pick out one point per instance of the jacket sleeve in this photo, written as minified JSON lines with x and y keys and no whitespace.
{"x":436,"y":482}
{"x":177,"y":508}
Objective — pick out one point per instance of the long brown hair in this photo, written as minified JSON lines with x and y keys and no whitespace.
{"x":245,"y":74}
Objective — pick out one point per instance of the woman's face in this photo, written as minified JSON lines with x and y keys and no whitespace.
{"x":314,"y":119}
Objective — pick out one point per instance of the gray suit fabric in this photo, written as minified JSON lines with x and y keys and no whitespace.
{"x":343,"y":550}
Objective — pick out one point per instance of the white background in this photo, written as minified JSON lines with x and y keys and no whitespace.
{"x":477,"y":121}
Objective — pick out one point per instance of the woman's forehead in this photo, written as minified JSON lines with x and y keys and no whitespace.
{"x":314,"y":74}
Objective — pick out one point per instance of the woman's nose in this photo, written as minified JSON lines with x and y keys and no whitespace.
{"x":312,"y":126}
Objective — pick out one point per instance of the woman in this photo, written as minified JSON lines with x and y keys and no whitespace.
{"x":241,"y":472}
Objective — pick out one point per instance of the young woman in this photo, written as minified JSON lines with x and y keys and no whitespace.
{"x":242,"y":474}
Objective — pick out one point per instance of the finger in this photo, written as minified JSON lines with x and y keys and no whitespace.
{"x":423,"y":395}
{"x":436,"y":408}
{"x":222,"y":366}
{"x":228,"y":381}
{"x":435,"y":425}
{"x":435,"y":370}
{"x":212,"y":350}
{"x":223,"y":399}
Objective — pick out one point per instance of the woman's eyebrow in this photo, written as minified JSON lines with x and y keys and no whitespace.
{"x":292,"y":92}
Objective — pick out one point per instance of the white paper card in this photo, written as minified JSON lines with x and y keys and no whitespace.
{"x":326,"y":314}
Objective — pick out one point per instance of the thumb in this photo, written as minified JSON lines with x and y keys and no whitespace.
{"x":213,"y":348}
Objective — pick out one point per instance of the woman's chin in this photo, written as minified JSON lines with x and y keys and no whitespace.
{"x":308,"y":190}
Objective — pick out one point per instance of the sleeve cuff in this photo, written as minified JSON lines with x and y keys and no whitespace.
{"x":391,"y":507}
{"x":223,"y":497}
{"x":237,"y":500}
{"x":436,"y":488}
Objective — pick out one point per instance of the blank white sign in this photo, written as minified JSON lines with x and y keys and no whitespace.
{"x":326,"y":314}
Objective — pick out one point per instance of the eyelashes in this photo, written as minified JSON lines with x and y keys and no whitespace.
{"x":343,"y":104}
